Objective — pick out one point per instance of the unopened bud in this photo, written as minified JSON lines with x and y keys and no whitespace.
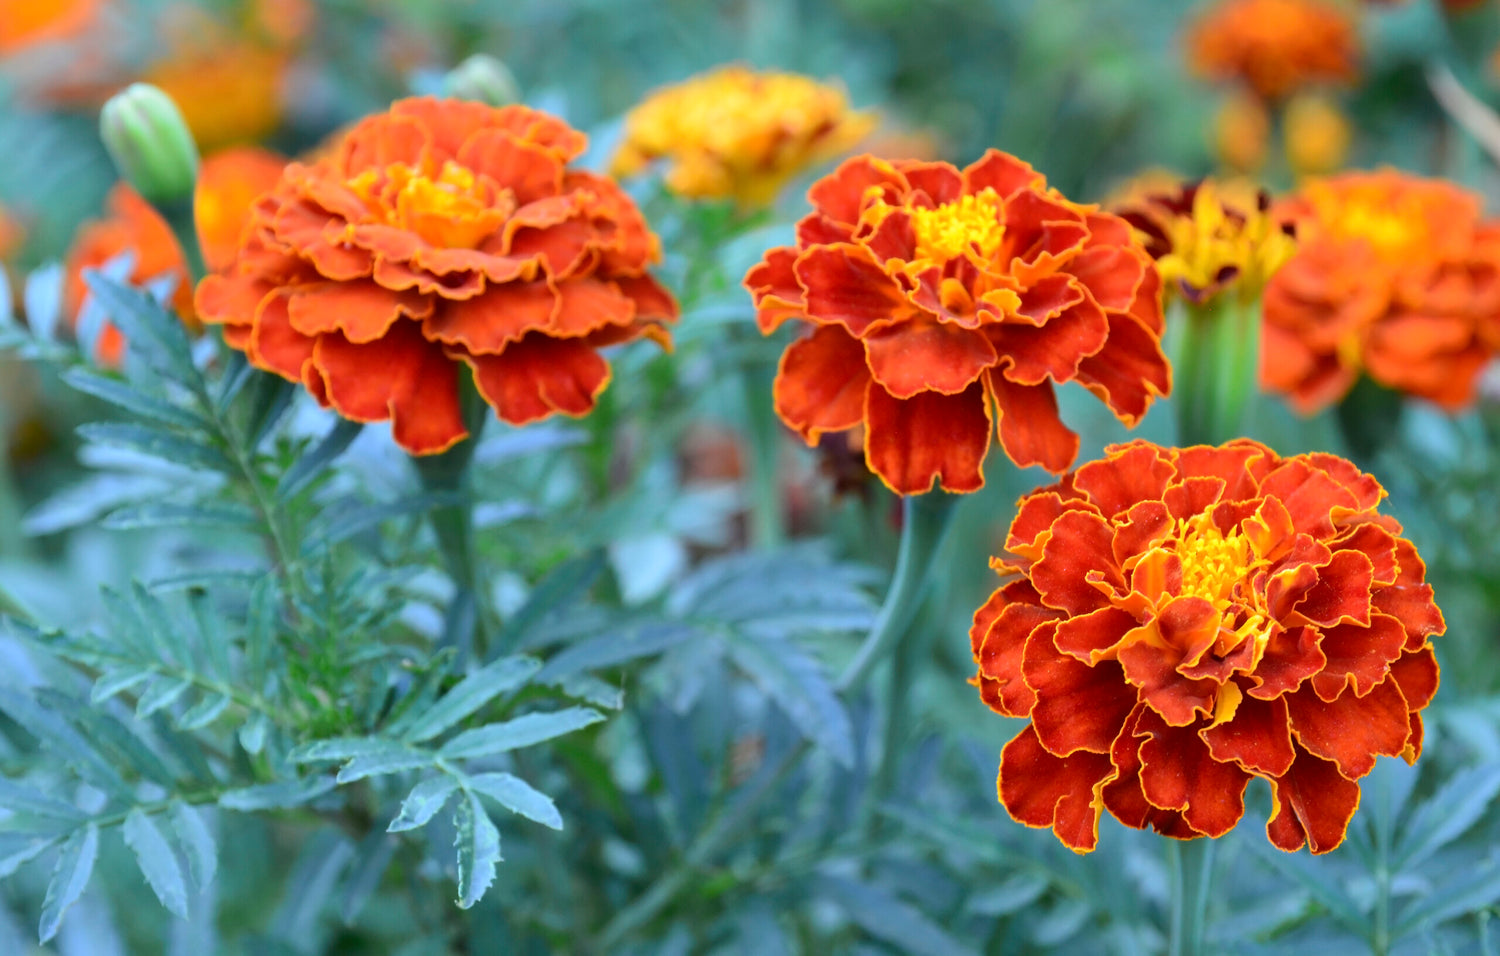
{"x":147,"y":138}
{"x":482,"y":78}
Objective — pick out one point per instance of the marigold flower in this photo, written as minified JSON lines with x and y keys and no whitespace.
{"x":442,"y":232}
{"x":1204,"y":242}
{"x":229,"y":92}
{"x":1274,"y":47}
{"x":130,"y":225}
{"x":1397,"y":276}
{"x":1241,"y":133}
{"x":1317,"y":134}
{"x":27,"y":23}
{"x":737,"y":133}
{"x":939,"y":302}
{"x":1176,"y":622}
{"x":229,"y":182}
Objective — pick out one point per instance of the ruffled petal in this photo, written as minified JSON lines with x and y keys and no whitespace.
{"x":927,"y":355}
{"x":910,"y":443}
{"x":820,"y":385}
{"x":1043,"y":790}
{"x":1314,"y":804}
{"x":1031,"y":431}
{"x":536,"y":376}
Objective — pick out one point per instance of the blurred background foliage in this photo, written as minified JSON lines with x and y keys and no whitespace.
{"x":618,"y":539}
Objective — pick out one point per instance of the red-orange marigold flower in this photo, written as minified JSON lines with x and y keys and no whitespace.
{"x":1275,"y":47}
{"x":130,"y":225}
{"x":1176,"y":622}
{"x":229,"y":182}
{"x":1396,"y":276}
{"x":937,"y":301}
{"x":442,"y":232}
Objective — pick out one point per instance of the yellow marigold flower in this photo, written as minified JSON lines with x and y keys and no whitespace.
{"x":1317,"y":135}
{"x":736,"y":133}
{"x":1205,"y":239}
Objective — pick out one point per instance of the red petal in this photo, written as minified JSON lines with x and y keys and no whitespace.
{"x":1341,"y":594}
{"x":1409,"y":600}
{"x":488,"y":324}
{"x":1151,"y":663}
{"x":651,"y":298}
{"x":924,"y":355}
{"x":1030,"y":430}
{"x":1358,"y":656}
{"x":844,"y":284}
{"x":1001,"y":654}
{"x":1078,"y":707}
{"x":1258,"y":736}
{"x":841,"y":194}
{"x":1131,"y":474}
{"x":940,"y":181}
{"x":1049,"y":297}
{"x":1042,"y":790}
{"x":1124,"y":796}
{"x":1112,"y":274}
{"x":1087,"y":637}
{"x":1314,"y":804}
{"x":1179,"y":772}
{"x":1053,"y":350}
{"x":1080,"y":543}
{"x":1352,"y":730}
{"x":911,"y":442}
{"x":820,"y":385}
{"x":538,"y":375}
{"x":774,"y":287}
{"x":1291,"y":657}
{"x":1375,"y":543}
{"x":1416,"y":673}
{"x":1001,"y":172}
{"x":1228,"y":462}
{"x":1129,"y":371}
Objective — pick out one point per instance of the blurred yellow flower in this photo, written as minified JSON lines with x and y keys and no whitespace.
{"x":1241,"y":132}
{"x":737,"y":133}
{"x":1317,"y":135}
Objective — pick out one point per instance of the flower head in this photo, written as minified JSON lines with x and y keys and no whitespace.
{"x":1176,"y":622}
{"x":1396,"y":276}
{"x":1275,"y":47}
{"x":939,"y":302}
{"x":229,"y":182}
{"x":1206,"y":240}
{"x":132,"y":226}
{"x":734,"y":132}
{"x":1317,"y":134}
{"x":437,"y":234}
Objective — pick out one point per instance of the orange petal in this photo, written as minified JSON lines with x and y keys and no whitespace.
{"x":488,"y":324}
{"x":1314,"y":804}
{"x":381,"y":140}
{"x":910,"y":443}
{"x":774,"y":287}
{"x":1179,"y":772}
{"x":1030,"y":430}
{"x":1358,"y":656}
{"x":586,"y":305}
{"x":1080,"y":542}
{"x":1078,"y":707}
{"x":361,"y":310}
{"x":1258,"y":736}
{"x":1043,"y":790}
{"x":538,"y":375}
{"x":401,"y":377}
{"x":844,"y":284}
{"x":228,"y":184}
{"x":229,"y":299}
{"x":274,"y":345}
{"x":1352,"y":730}
{"x":923,"y":355}
{"x":529,"y":171}
{"x":820,"y":384}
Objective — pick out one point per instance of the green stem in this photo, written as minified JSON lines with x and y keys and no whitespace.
{"x":1190,"y":864}
{"x":925,"y":522}
{"x":1216,"y":354}
{"x":767,"y":520}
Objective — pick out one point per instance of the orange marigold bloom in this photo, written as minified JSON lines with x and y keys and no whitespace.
{"x":26,"y":23}
{"x":1396,"y":276}
{"x":734,"y":132}
{"x":1275,"y":47}
{"x":937,"y":301}
{"x":1176,"y":622}
{"x":229,"y":182}
{"x":1317,"y":134}
{"x":130,"y":225}
{"x":442,"y":232}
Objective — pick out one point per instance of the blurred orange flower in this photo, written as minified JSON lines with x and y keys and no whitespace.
{"x":1275,"y":47}
{"x":229,"y":182}
{"x":442,"y":232}
{"x":1317,"y":134}
{"x":939,"y":303}
{"x":228,"y":92}
{"x":26,"y":23}
{"x":1177,"y":622}
{"x":1242,"y":133}
{"x":737,"y":133}
{"x":1209,"y":237}
{"x":1397,"y":276}
{"x":130,"y":225}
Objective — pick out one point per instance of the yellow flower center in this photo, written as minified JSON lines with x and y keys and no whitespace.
{"x":1217,"y":568}
{"x":972,"y":224}
{"x":1210,"y":240}
{"x":452,"y":210}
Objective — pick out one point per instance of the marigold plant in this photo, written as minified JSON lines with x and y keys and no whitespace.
{"x":1177,"y":622}
{"x":1398,"y":277}
{"x":939,"y":303}
{"x":737,"y":133}
{"x":1208,"y":237}
{"x":437,"y":234}
{"x":1274,"y":47}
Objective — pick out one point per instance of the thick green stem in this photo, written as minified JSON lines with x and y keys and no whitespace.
{"x":1216,"y":355}
{"x":767,"y":517}
{"x":1190,"y":864}
{"x":925,"y":522}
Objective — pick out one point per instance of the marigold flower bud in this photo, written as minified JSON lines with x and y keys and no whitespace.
{"x":484,"y":79}
{"x":150,"y":144}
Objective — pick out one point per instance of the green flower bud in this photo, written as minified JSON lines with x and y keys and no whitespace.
{"x":151,"y":146}
{"x":482,"y":78}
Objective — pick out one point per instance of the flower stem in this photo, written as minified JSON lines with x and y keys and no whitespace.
{"x":925,"y":522}
{"x":767,"y":520}
{"x":1217,"y":356}
{"x":1190,"y":864}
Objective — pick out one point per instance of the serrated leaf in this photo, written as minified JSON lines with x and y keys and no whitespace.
{"x":218,"y":515}
{"x":75,"y":864}
{"x":133,"y":400}
{"x":338,"y":749}
{"x":260,"y":630}
{"x":203,"y":713}
{"x":517,"y":795}
{"x":171,"y":447}
{"x":478,"y":845}
{"x":68,"y":743}
{"x":523,"y":731}
{"x":796,"y":682}
{"x":277,"y":796}
{"x":615,"y":647}
{"x":153,"y":333}
{"x":335,"y":526}
{"x":1315,"y":881}
{"x":310,"y":464}
{"x":17,"y":849}
{"x":395,"y":759}
{"x":19,"y":798}
{"x":122,"y":743}
{"x":423,"y":803}
{"x":79,"y":504}
{"x":561,"y":587}
{"x":163,"y":692}
{"x":197,"y":844}
{"x":1444,"y":816}
{"x":157,"y":860}
{"x":116,"y":680}
{"x":470,"y":694}
{"x":889,"y":919}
